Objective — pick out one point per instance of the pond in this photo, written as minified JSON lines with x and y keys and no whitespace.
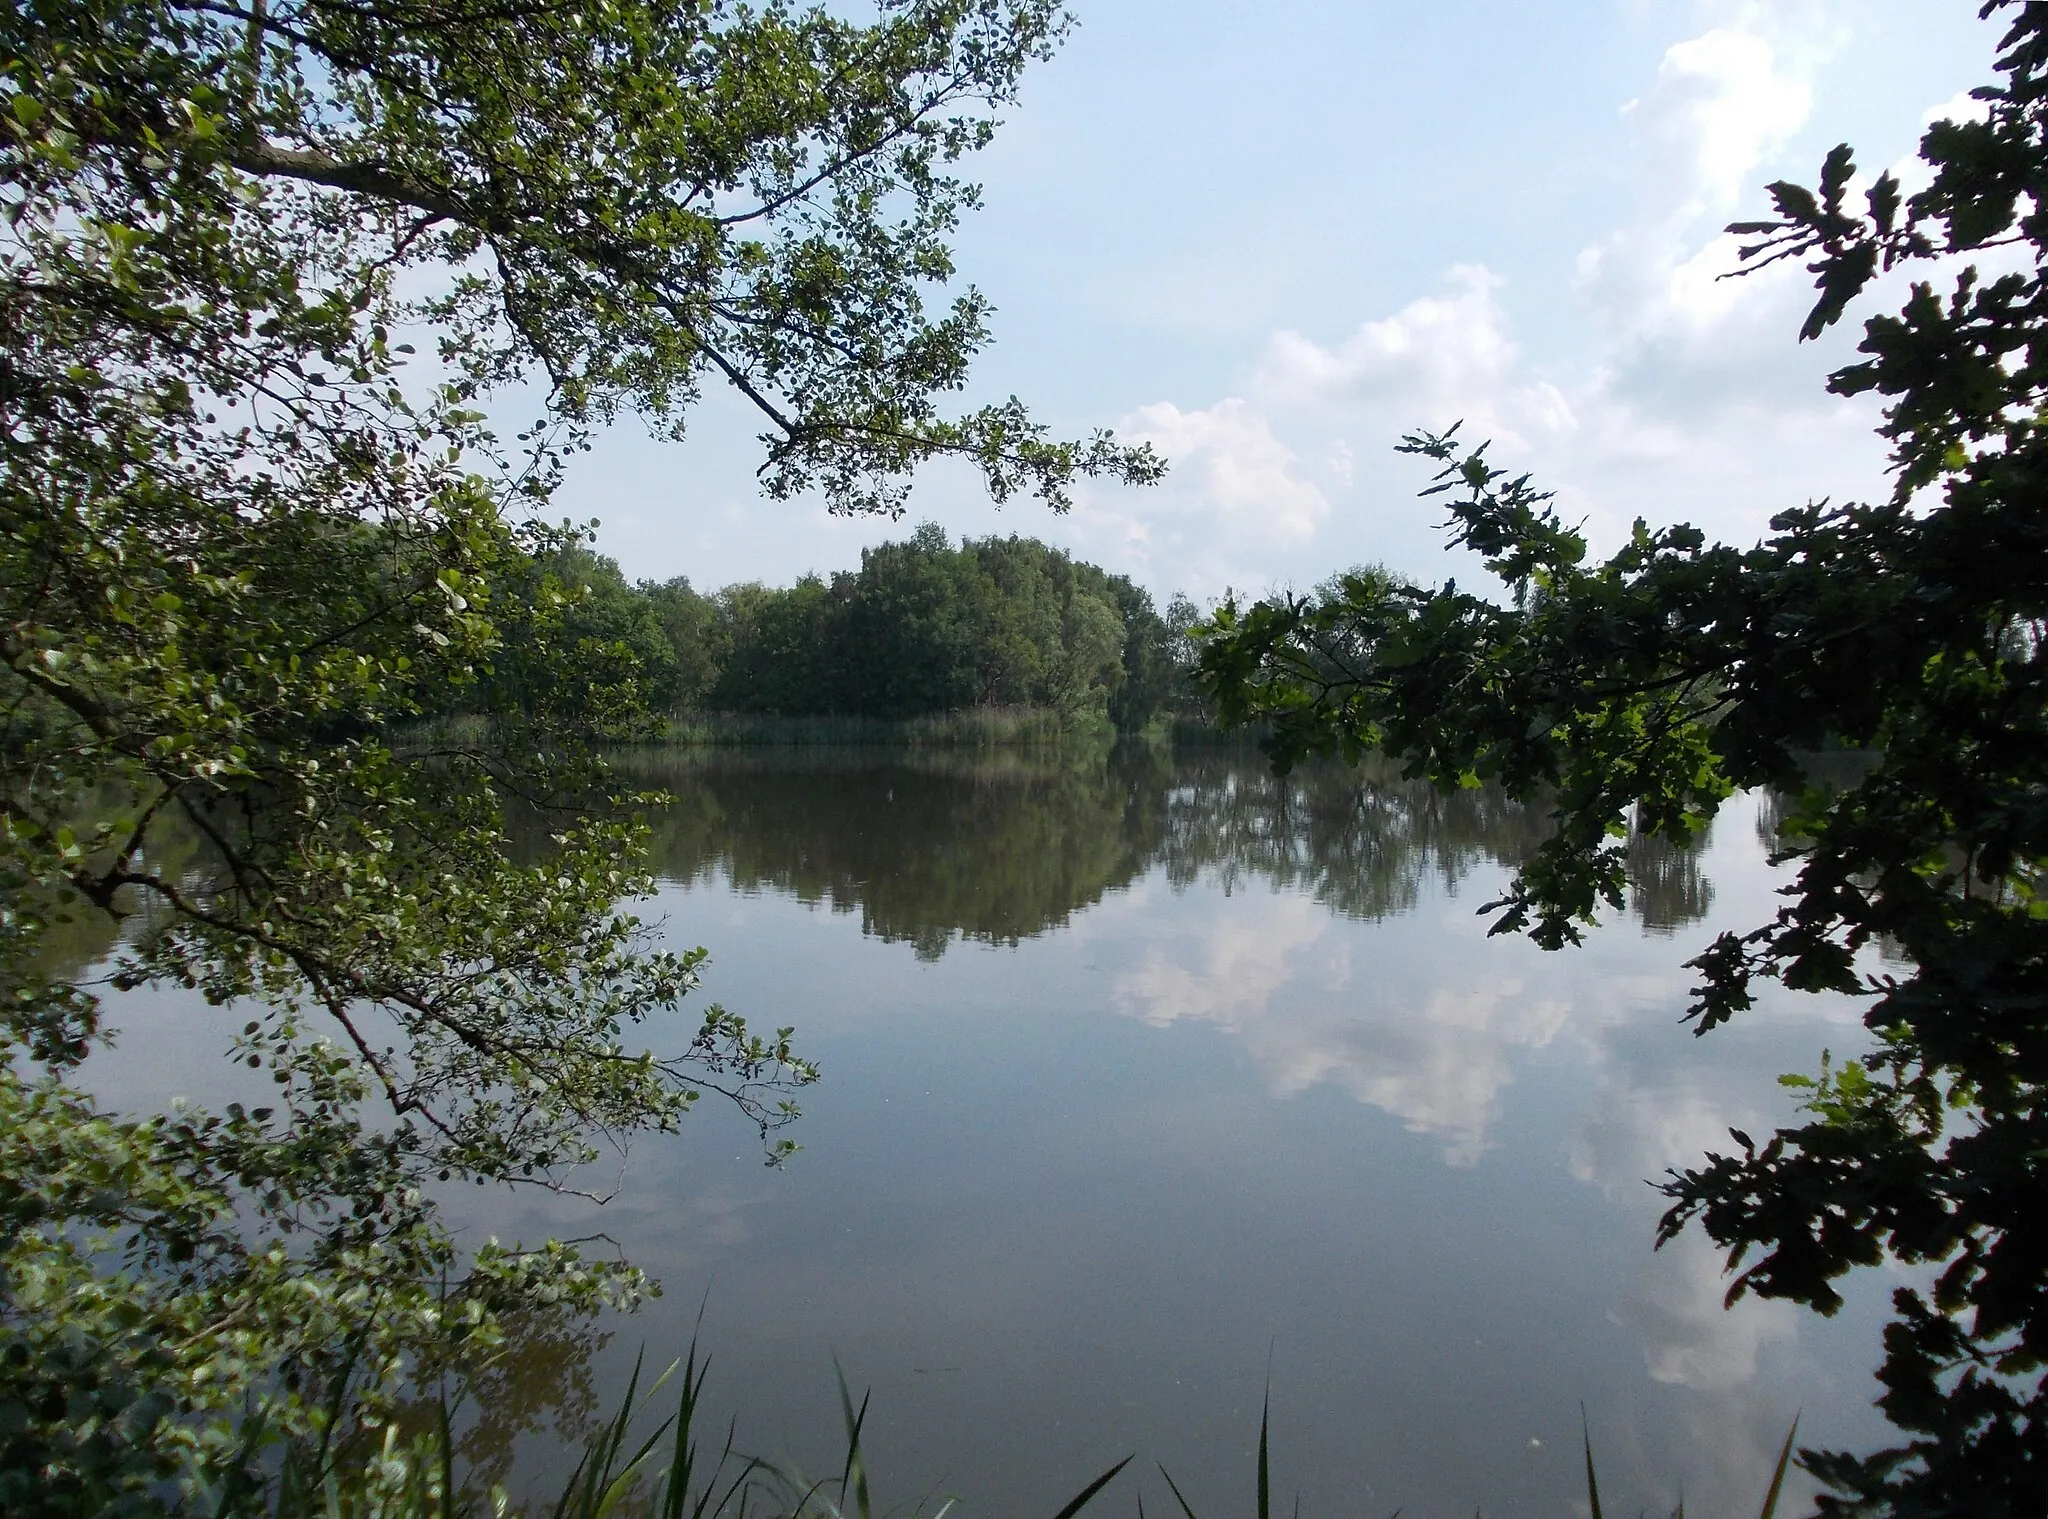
{"x":1150,"y":1080}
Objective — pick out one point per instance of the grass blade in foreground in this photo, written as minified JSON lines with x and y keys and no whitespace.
{"x":1265,"y":1470}
{"x":1592,"y":1482}
{"x":1770,"y":1507}
{"x":1778,"y":1476}
{"x":1080,"y":1500}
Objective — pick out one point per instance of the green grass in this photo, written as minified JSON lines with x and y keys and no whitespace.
{"x":1771,"y":1495}
{"x":664,"y":1473}
{"x":972,"y":728}
{"x":975,"y":728}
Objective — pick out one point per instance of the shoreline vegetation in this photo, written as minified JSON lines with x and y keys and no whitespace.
{"x":626,"y":1468}
{"x":989,"y":641}
{"x":976,"y":728}
{"x":973,"y":728}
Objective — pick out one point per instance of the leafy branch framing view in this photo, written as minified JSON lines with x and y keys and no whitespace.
{"x":247,"y":549}
{"x":251,"y":542}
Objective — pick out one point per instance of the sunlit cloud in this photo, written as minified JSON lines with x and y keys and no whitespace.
{"x":1237,"y":499}
{"x":1228,"y":454}
{"x":1721,"y":106}
{"x":1437,"y":347}
{"x":1695,"y":403}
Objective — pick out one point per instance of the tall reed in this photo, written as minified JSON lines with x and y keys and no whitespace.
{"x":664,"y":1475}
{"x":661,"y":1475}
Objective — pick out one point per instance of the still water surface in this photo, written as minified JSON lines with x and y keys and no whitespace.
{"x":1148,"y":1077}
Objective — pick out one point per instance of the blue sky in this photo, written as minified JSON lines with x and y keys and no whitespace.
{"x":1273,"y":238}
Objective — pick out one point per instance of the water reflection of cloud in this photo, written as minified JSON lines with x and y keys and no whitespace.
{"x":1245,"y":957}
{"x":1280,"y":976}
{"x":1634,"y":1131}
{"x":1439,"y":1067}
{"x":1673,"y":1302}
{"x":1689,"y":1339}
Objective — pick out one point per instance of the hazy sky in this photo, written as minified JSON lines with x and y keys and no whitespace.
{"x":1271,"y":238}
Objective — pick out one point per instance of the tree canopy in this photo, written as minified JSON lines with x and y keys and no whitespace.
{"x":923,"y":627}
{"x":1646,"y":687}
{"x":248,"y":538}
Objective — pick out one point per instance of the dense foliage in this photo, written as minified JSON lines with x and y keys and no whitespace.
{"x":921,"y":628}
{"x":1650,"y":685}
{"x":243,"y":546}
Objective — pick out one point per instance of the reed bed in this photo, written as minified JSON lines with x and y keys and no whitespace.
{"x":974,"y":728}
{"x":664,"y":1474}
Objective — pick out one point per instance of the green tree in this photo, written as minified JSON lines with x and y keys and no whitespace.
{"x":697,"y":641}
{"x":782,"y":649}
{"x":1183,"y":650}
{"x":1089,"y":669}
{"x":244,"y":549}
{"x":1057,"y":629}
{"x":925,"y":628}
{"x":1020,"y":633}
{"x":908,"y":632}
{"x":615,"y":634}
{"x":1148,"y":676}
{"x":1639,"y":691}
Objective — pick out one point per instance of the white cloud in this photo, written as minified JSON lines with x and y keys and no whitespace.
{"x":1235,"y":504}
{"x":1246,"y":474}
{"x":1694,"y":404}
{"x":1962,"y":106}
{"x":1719,"y":106}
{"x":1433,"y":351}
{"x":1722,"y":105}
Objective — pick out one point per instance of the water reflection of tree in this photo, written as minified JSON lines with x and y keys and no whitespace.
{"x":992,"y":848}
{"x":1666,"y":887}
{"x":1832,"y":770}
{"x":532,"y":1401}
{"x":997,"y":848}
{"x":78,"y":937}
{"x":540,"y":1389}
{"x":1362,"y":842}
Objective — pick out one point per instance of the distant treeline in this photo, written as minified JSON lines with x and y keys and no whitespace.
{"x":923,"y":627}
